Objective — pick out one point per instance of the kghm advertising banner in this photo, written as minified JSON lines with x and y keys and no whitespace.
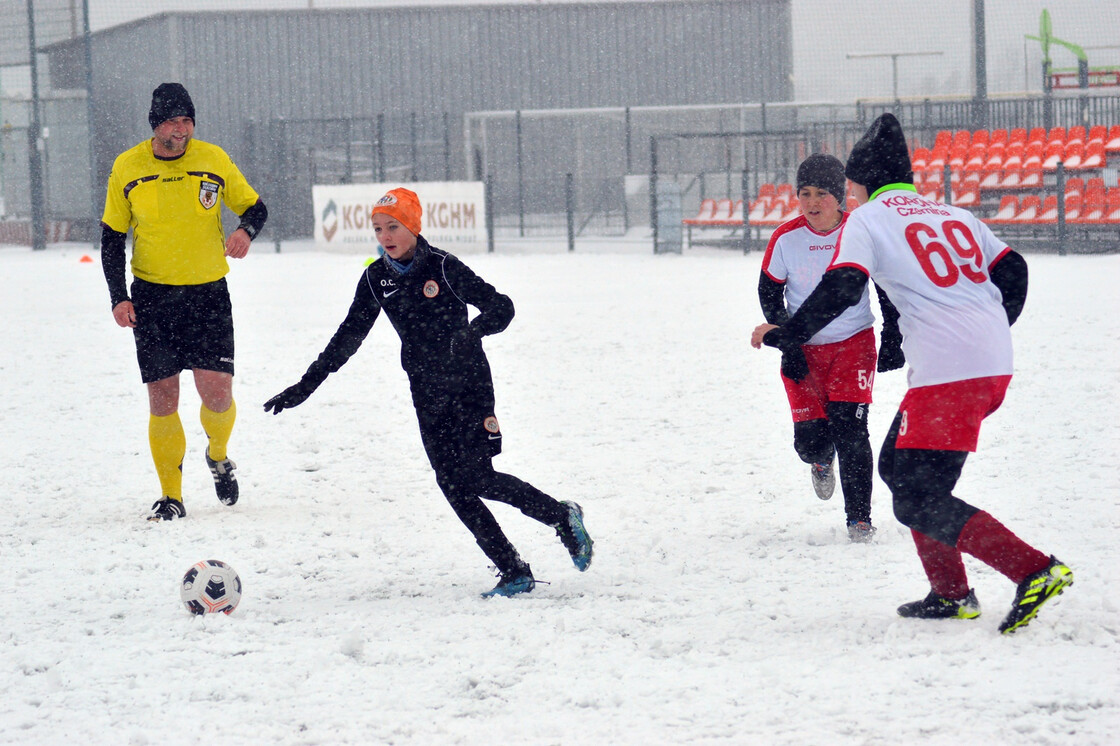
{"x":454,"y":213}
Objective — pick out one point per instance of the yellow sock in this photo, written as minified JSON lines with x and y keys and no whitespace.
{"x":218,"y":427}
{"x":169,"y":445}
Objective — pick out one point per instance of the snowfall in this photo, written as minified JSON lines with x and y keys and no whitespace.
{"x":725,"y":603}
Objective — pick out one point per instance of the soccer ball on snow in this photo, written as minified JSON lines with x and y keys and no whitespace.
{"x":210,"y":586}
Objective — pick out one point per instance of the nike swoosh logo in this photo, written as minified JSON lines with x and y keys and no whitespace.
{"x":494,"y":437}
{"x":386,"y":295}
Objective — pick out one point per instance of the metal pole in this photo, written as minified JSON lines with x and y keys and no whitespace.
{"x":446,"y":146}
{"x":520,"y":179}
{"x":625,"y":201}
{"x":569,"y":207}
{"x":1061,"y":187}
{"x":980,"y":51}
{"x":653,"y":189}
{"x":87,"y":43}
{"x":490,"y":214}
{"x":745,"y":195}
{"x":412,"y":136}
{"x":381,"y":147}
{"x":34,"y":142}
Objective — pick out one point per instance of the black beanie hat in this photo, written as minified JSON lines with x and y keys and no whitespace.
{"x":170,"y":100}
{"x":824,"y":172}
{"x":880,"y":157}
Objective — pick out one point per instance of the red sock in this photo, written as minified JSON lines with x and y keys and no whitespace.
{"x":943,"y":566}
{"x":992,"y":543}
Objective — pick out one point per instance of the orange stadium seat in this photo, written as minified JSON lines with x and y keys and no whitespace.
{"x":999,"y":137}
{"x":1097,"y":132}
{"x":1056,"y":134}
{"x":1075,"y":134}
{"x":1048,"y":215}
{"x":1112,"y":206}
{"x":722,"y":213}
{"x":1028,"y":209}
{"x":1075,"y":185}
{"x":773,"y":216}
{"x":1008,"y":208}
{"x":1073,"y":154}
{"x":1032,"y":156}
{"x":1030,"y":177}
{"x":1095,"y":156}
{"x":704,"y":215}
{"x":736,"y":217}
{"x":981,"y":137}
{"x":919,"y":159}
{"x":1073,"y":208}
{"x":1093,"y":203}
{"x":793,"y":209}
{"x":962,"y":139}
{"x":937,"y":158}
{"x":1037,"y":134}
{"x":977,"y":155}
{"x":1017,"y":134}
{"x":993,"y":158}
{"x":768,"y":190}
{"x":957,"y":155}
{"x":758,"y":210}
{"x":1052,"y":155}
{"x":1112,"y":141}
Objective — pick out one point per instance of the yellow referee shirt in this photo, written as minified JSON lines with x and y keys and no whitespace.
{"x":174,"y":210}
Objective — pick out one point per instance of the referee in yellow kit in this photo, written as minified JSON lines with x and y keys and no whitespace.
{"x":169,"y":191}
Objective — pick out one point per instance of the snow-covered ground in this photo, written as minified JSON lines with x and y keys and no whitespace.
{"x":725,"y":603}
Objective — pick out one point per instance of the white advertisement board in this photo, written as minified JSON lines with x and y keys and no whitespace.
{"x":454,"y":213}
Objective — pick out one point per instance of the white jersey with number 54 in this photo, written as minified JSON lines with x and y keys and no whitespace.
{"x":934,"y":262}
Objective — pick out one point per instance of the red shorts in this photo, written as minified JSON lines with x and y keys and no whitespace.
{"x":839,"y":371}
{"x":947,"y":417}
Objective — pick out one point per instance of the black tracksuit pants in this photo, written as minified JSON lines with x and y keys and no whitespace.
{"x":460,"y":450}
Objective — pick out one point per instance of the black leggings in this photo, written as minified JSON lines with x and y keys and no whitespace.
{"x":460,"y":453}
{"x":845,"y":430}
{"x":922,"y":483}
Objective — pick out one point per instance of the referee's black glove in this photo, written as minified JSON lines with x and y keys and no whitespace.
{"x":290,"y":397}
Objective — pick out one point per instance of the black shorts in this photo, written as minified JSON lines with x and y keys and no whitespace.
{"x":182,"y":327}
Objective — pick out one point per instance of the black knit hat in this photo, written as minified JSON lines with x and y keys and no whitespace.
{"x":880,"y":157}
{"x":170,"y":100}
{"x":824,"y":172}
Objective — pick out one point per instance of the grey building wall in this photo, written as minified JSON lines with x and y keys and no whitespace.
{"x":247,"y":70}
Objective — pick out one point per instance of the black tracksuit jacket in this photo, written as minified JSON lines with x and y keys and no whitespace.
{"x":441,"y":351}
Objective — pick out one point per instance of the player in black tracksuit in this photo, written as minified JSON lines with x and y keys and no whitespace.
{"x":426,"y":301}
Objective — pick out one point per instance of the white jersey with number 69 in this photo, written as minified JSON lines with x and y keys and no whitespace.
{"x":934,"y":262}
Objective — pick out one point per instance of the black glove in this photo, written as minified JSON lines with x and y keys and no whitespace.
{"x":794,"y":365}
{"x":290,"y":397}
{"x":891,"y":356}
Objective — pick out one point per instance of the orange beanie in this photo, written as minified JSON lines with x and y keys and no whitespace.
{"x":401,"y":205}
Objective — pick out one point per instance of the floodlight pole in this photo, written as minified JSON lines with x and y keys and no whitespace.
{"x":894,"y":62}
{"x":34,"y":141}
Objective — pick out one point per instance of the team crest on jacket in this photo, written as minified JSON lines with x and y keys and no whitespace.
{"x":431,"y":289}
{"x":491,"y":424}
{"x":208,"y":194}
